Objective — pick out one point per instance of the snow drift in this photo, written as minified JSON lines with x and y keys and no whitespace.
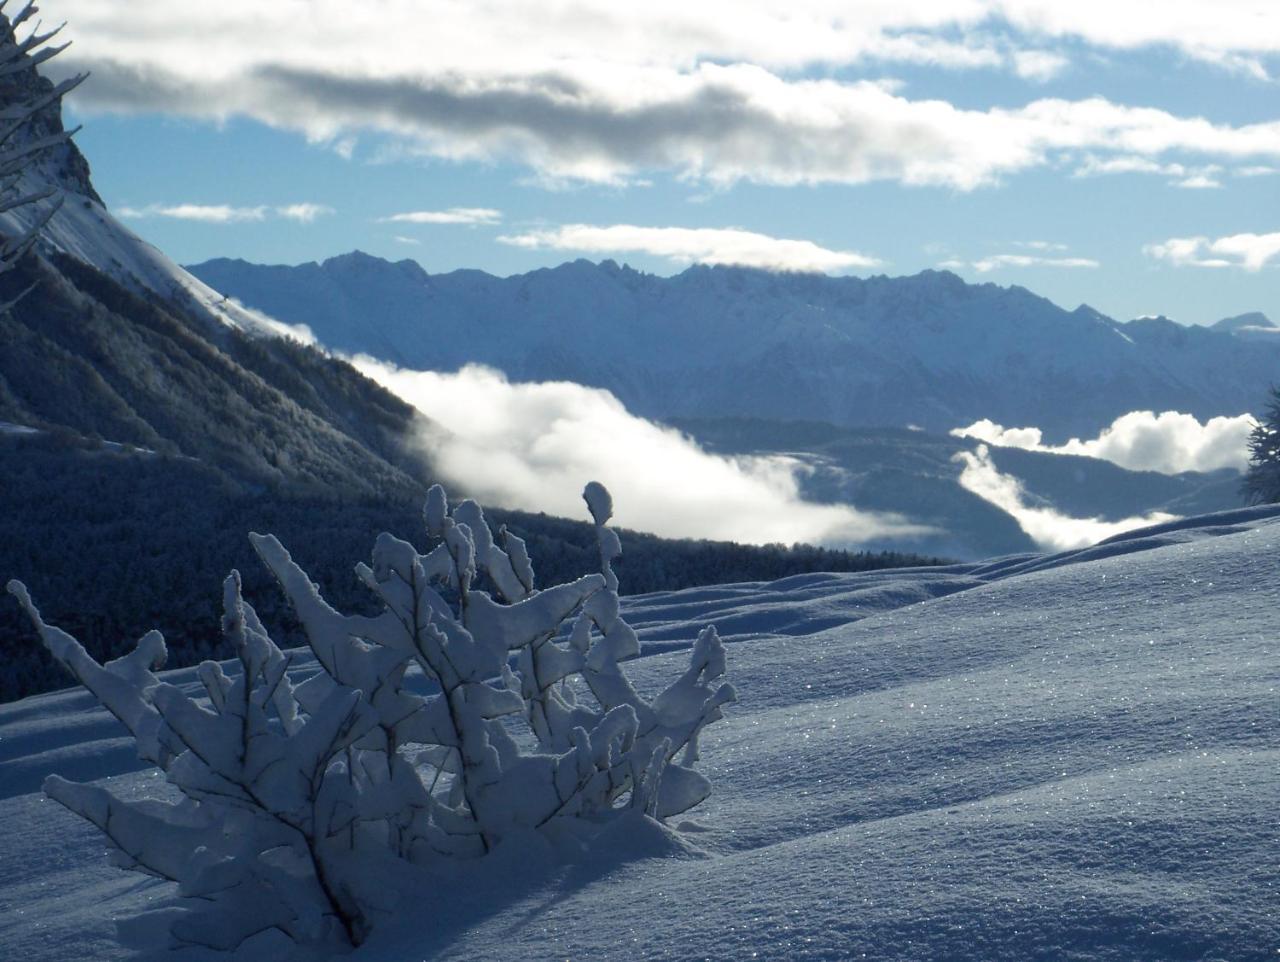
{"x":1030,"y":758}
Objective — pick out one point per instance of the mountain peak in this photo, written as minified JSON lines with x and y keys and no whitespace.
{"x":1253,"y":319}
{"x":356,"y":259}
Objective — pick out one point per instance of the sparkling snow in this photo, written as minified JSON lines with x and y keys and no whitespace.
{"x":1064,"y":757}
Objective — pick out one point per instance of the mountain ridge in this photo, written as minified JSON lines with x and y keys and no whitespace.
{"x":928,"y":349}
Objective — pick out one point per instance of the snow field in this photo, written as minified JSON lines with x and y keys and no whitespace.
{"x":1076,"y":760}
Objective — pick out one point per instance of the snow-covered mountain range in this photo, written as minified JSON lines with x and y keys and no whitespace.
{"x":929,"y":350}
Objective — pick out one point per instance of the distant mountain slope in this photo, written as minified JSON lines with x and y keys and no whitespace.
{"x":916,"y":474}
{"x":928,"y":350}
{"x":83,"y":354}
{"x":1251,"y":319}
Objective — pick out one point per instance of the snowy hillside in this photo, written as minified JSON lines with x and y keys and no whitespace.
{"x":84,"y":229}
{"x":928,"y":350}
{"x":114,"y":340}
{"x":1036,"y":757}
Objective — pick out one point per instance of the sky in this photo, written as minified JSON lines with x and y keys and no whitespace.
{"x":1121,"y":154}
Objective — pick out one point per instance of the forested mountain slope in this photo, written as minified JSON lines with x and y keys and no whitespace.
{"x":82,"y":353}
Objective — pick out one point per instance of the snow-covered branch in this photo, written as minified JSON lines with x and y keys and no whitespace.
{"x":20,"y":104}
{"x":294,"y":795}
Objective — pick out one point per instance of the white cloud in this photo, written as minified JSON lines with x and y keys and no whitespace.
{"x":1169,"y":442}
{"x":1251,"y":252}
{"x":243,"y":316}
{"x":534,"y":446}
{"x":225,"y":213}
{"x":1093,"y":166}
{"x":204,"y":213}
{"x":400,"y":36}
{"x":303,"y":213}
{"x":1230,"y":33}
{"x":412,"y":241}
{"x":702,"y":245}
{"x":1199,"y":182}
{"x":998,"y":261}
{"x":1039,"y":65}
{"x":711,"y":92}
{"x":454,"y":215}
{"x":1047,"y":527}
{"x":1203,"y":176}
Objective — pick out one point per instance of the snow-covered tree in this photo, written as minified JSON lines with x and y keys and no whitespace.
{"x":20,"y":148}
{"x":418,"y":740}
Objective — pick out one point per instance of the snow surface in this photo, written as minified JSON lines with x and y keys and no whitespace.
{"x":1036,"y":757}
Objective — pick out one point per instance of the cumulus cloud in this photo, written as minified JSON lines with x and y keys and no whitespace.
{"x":220,"y":38}
{"x":703,"y":245}
{"x":1169,"y":442}
{"x":712,"y":92}
{"x":225,"y":213}
{"x":1234,"y":34}
{"x":534,"y":446}
{"x":454,"y":215}
{"x":1046,"y":526}
{"x":1250,"y":252}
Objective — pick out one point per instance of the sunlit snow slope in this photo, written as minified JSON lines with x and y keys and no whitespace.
{"x":1040,"y":757}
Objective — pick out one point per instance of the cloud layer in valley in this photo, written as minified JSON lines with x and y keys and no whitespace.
{"x":1168,"y":442}
{"x":683,"y":245}
{"x":1046,"y":526}
{"x":534,"y":447}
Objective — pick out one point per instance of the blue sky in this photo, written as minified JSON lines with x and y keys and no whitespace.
{"x":1099,"y":153}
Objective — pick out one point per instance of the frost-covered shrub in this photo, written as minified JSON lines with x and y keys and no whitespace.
{"x":295,"y":796}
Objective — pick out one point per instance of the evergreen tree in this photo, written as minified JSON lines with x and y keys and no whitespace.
{"x":1262,"y":481}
